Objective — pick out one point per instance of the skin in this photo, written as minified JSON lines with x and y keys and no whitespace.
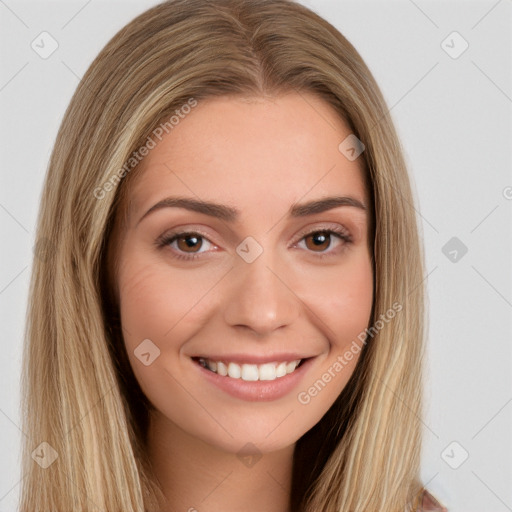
{"x":259,"y":156}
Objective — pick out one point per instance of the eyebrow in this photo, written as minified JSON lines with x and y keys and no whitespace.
{"x":230,"y":214}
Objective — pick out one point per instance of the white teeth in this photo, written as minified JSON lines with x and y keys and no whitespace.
{"x":221,"y":369}
{"x":234,"y":370}
{"x":250,"y":372}
{"x":268,"y":371}
{"x":290,"y":367}
{"x":281,"y":370}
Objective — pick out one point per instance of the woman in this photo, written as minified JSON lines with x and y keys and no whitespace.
{"x":278,"y":367}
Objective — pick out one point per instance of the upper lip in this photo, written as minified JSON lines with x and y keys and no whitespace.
{"x":252,"y":359}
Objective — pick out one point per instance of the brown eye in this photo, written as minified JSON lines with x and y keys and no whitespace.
{"x":189,"y":241}
{"x":320,"y":240}
{"x":185,"y":245}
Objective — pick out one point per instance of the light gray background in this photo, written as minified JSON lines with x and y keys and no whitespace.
{"x":454,"y":119}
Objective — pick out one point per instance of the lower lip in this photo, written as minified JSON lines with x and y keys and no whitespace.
{"x":256,"y":391}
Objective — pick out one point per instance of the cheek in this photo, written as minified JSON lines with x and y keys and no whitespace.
{"x":342,"y":300}
{"x":343,"y":303}
{"x":151,"y":303}
{"x":350,"y":309}
{"x":164,"y":306}
{"x":155,"y":302}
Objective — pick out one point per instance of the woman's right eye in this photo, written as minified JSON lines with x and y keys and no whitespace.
{"x":184,"y":240}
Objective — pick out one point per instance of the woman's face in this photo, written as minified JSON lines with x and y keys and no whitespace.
{"x":254,"y":284}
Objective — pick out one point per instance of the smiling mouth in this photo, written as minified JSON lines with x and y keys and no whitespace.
{"x":250,"y":372}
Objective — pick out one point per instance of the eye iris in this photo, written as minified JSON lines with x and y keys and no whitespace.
{"x":189,"y":245}
{"x":321,"y":239}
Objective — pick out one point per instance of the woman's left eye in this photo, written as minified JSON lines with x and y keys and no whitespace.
{"x":322,"y":239}
{"x":185,"y":240}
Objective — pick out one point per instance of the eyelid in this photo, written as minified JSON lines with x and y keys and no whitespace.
{"x":313,"y":227}
{"x":329,"y":226}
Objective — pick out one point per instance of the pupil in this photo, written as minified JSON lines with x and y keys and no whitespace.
{"x":321,"y":237}
{"x":191,"y":238}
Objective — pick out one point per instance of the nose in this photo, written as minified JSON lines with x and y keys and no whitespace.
{"x":260,"y":297}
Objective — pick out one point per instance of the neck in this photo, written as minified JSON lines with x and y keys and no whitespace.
{"x":196,"y":476}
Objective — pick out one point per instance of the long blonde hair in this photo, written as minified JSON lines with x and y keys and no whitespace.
{"x":79,"y":394}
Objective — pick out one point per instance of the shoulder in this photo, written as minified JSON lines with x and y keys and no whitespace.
{"x":430,"y":504}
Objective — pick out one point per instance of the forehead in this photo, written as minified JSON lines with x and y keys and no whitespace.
{"x":253,"y":153}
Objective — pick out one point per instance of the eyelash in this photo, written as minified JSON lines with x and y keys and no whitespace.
{"x":167,"y":239}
